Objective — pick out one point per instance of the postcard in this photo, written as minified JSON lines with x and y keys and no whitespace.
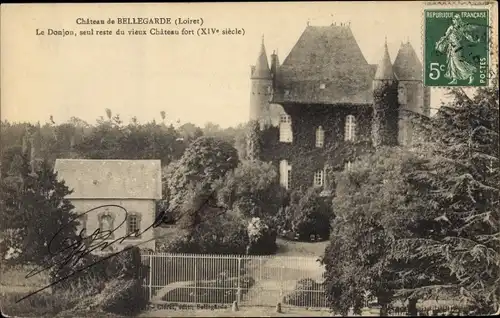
{"x":249,"y":159}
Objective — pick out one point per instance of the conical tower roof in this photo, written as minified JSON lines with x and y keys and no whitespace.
{"x":262,"y":69}
{"x":384,"y":68}
{"x":407,"y":66}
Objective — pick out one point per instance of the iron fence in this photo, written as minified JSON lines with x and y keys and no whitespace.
{"x":219,"y":280}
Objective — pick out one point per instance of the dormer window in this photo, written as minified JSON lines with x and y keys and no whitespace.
{"x":350,"y":128}
{"x":322,"y":86}
{"x":320,"y":137}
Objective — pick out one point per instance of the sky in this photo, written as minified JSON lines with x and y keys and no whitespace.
{"x":193,"y":79}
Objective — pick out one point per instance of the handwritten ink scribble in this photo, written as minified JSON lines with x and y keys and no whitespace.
{"x":96,"y":241}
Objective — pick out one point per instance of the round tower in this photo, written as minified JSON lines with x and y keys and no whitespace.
{"x":261,"y":88}
{"x":385,"y":103}
{"x":414,"y":97}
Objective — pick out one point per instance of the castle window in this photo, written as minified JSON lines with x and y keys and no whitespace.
{"x":320,"y":137}
{"x":350,"y":128}
{"x":348,"y":166}
{"x":319,"y":178}
{"x":133,"y":226}
{"x":285,"y":174}
{"x":322,"y":86}
{"x":402,"y":97}
{"x":313,"y":58}
{"x":286,"y":134}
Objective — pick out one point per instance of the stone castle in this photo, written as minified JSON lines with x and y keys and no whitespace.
{"x":322,"y":97}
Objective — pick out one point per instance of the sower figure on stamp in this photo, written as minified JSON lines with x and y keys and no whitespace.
{"x":451,"y":44}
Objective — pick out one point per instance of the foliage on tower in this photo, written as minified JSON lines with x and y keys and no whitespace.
{"x":253,"y":140}
{"x":385,"y":114}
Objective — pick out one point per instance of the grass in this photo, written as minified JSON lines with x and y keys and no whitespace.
{"x":294,"y":248}
{"x":15,"y":276}
{"x":211,"y":292}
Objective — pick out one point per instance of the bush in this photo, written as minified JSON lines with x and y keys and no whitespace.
{"x":262,"y":238}
{"x":307,"y":293}
{"x":222,"y":234}
{"x":123,"y":296}
{"x":312,"y":215}
{"x":118,"y":279}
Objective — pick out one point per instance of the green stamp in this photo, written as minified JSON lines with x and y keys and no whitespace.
{"x":456,"y":47}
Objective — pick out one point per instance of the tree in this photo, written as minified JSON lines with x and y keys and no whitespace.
{"x":423,"y":223}
{"x":204,"y":162}
{"x":311,"y":215}
{"x":461,"y":183}
{"x":356,"y":260}
{"x":253,"y":189}
{"x":35,"y":210}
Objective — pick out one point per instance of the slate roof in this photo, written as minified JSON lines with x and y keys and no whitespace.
{"x":261,"y":69}
{"x":111,"y":179}
{"x":384,"y":68}
{"x":326,"y":65}
{"x":407,"y":65}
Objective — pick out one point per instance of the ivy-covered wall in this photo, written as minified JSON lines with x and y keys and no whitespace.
{"x":385,"y":124}
{"x":303,"y":155}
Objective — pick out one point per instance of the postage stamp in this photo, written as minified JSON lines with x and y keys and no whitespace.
{"x":456,"y":47}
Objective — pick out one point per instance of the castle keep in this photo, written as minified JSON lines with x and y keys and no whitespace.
{"x":321,"y":107}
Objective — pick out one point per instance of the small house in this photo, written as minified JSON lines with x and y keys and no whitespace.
{"x":115,"y":198}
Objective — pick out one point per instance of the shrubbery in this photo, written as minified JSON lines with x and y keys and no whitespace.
{"x":221,"y":234}
{"x":262,"y":238}
{"x":308,"y":215}
{"x":117,"y":280}
{"x":307,"y":293}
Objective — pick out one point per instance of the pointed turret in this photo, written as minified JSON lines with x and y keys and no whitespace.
{"x":407,"y":66}
{"x":384,"y":67}
{"x":261,"y":69}
{"x":261,"y":90}
{"x":385,"y":103}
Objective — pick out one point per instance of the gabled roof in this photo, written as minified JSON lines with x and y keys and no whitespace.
{"x":407,"y":66}
{"x":111,"y":179}
{"x":262,"y":70}
{"x":384,"y":69}
{"x":326,"y":65}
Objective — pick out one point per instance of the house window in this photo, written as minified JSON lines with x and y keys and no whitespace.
{"x":106,"y":225}
{"x":350,"y":128}
{"x":322,"y":86}
{"x":133,"y":225}
{"x":287,"y":93}
{"x":320,"y":137}
{"x":319,"y":178}
{"x":285,"y":174}
{"x":286,"y":134}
